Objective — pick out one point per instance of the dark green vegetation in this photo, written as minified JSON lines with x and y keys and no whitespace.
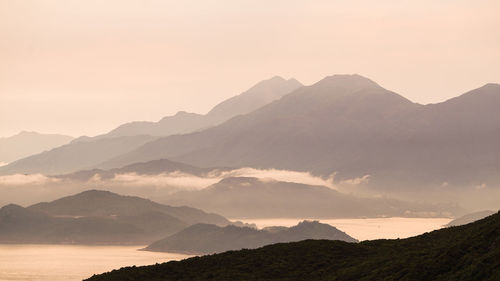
{"x":469,"y":252}
{"x":245,"y":197}
{"x":97,"y":217}
{"x":209,"y":238}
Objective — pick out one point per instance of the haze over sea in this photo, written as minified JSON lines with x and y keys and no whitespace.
{"x":71,"y":262}
{"x":76,"y":262}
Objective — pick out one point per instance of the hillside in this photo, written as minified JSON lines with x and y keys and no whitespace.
{"x":248,"y":197}
{"x":91,"y":152}
{"x":468,"y":218}
{"x":469,"y":252}
{"x":257,"y":96}
{"x":350,"y":125}
{"x":25,"y":144}
{"x":97,"y":217}
{"x":105,"y":203}
{"x":206,"y":238}
{"x":74,"y":156}
{"x":153,"y":167}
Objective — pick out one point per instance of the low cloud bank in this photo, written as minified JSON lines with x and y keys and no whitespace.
{"x":281,"y":175}
{"x":21,"y":179}
{"x":175,"y":179}
{"x":184,"y":181}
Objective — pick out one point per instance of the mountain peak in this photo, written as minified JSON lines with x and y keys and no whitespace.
{"x":354,"y":81}
{"x":276,"y":78}
{"x":492,"y":85}
{"x":11,"y":207}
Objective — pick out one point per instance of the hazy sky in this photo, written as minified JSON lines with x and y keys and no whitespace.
{"x":84,"y":67}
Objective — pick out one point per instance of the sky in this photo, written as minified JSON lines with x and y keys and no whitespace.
{"x":84,"y":67}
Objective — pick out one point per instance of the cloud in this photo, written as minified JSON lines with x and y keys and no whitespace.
{"x":356,"y":181}
{"x":191,"y":182}
{"x":175,"y":179}
{"x":21,"y":179}
{"x":281,"y":175}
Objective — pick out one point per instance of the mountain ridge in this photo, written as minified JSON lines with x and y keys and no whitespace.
{"x":468,"y":252}
{"x":97,"y":217}
{"x":206,"y":238}
{"x":328,"y":130}
{"x":183,"y":122}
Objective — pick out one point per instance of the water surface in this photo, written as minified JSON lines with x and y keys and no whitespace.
{"x":70,"y":262}
{"x":367,"y":229}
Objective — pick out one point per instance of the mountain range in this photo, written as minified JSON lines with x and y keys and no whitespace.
{"x":345,"y":125}
{"x":209,"y":238}
{"x":183,"y":122}
{"x":25,"y":144}
{"x":153,"y":167}
{"x":472,"y":217}
{"x":351,"y":126}
{"x":469,"y":252}
{"x":89,"y":152}
{"x":249,"y":197}
{"x":97,"y":217}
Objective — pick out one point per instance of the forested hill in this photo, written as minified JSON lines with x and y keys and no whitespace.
{"x":469,"y":252}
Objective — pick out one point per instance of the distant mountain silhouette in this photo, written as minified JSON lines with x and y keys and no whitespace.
{"x":97,"y":217}
{"x":468,"y":252}
{"x":74,"y":156}
{"x":244,"y":197}
{"x":105,"y":203}
{"x":183,"y":122}
{"x":469,"y":218}
{"x":153,"y":167}
{"x":88,"y":152}
{"x":208,"y":238}
{"x":350,"y":125}
{"x":28,"y":143}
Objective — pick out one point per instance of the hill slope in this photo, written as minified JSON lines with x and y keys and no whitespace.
{"x":257,"y":96}
{"x":153,"y":167}
{"x":97,"y":217}
{"x":350,"y":125}
{"x":28,"y":143}
{"x":207,"y":238}
{"x":73,"y":156}
{"x":469,"y":252}
{"x":468,"y":218}
{"x":90,"y":152}
{"x":105,"y":203}
{"x":247,"y":197}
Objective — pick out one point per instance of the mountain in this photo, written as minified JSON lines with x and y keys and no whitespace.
{"x":97,"y":217}
{"x":105,"y":203}
{"x":257,"y":96}
{"x":247,"y":197}
{"x":153,"y":167}
{"x":27,"y":143}
{"x":469,"y":252}
{"x":472,"y":217}
{"x":89,"y":152}
{"x":207,"y":238}
{"x":21,"y":225}
{"x":350,"y":125}
{"x":74,"y":156}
